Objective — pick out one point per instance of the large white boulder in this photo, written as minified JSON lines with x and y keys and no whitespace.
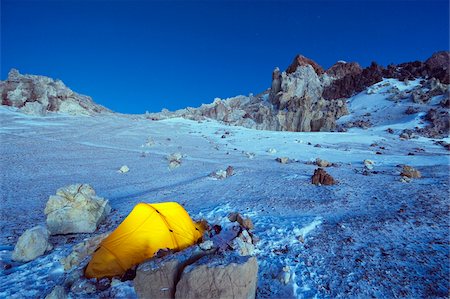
{"x":219,"y":276}
{"x":32,"y":243}
{"x":75,"y":209}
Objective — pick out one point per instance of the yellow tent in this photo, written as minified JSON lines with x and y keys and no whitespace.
{"x":148,"y":228}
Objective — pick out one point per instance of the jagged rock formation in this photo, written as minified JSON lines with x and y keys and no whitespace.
{"x":38,"y":95}
{"x":306,"y":98}
{"x":294,"y":103}
{"x":356,"y":80}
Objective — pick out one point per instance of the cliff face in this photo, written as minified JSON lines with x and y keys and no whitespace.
{"x":39,"y":95}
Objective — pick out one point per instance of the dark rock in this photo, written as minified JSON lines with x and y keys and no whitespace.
{"x":321,"y":177}
{"x":342,"y":69}
{"x":301,"y":60}
{"x":438,"y":66}
{"x":411,"y":110}
{"x":353,"y":82}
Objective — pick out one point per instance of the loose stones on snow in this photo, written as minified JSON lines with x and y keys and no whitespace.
{"x":32,"y":243}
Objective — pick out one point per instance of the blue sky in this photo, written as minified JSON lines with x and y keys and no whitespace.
{"x":133,"y":56}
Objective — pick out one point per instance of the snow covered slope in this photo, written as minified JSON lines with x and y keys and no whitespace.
{"x":369,"y":235}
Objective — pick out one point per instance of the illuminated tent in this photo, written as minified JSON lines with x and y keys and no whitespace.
{"x":147,"y":229}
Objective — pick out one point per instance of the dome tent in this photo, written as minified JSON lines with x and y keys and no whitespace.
{"x":147,"y":229}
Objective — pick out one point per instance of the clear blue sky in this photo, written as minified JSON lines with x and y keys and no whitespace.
{"x":133,"y":56}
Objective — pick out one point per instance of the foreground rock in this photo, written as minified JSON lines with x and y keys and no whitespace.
{"x":32,"y":244}
{"x":321,"y":177}
{"x":75,"y":209}
{"x":219,"y":276}
{"x":220,"y":267}
{"x":39,"y":95}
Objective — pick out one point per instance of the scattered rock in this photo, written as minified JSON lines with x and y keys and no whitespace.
{"x":149,"y":143}
{"x":321,"y":177}
{"x":250,"y":155}
{"x":282,"y":160}
{"x":323,"y":163}
{"x":174,"y":160}
{"x":75,"y":209}
{"x":82,"y":250}
{"x":124,"y":169}
{"x":410,"y":172}
{"x":369,"y":164}
{"x":222,"y":174}
{"x":229,"y":171}
{"x":317,"y":145}
{"x":31,"y":244}
{"x":272,"y":151}
{"x":58,"y":292}
{"x":390,"y":130}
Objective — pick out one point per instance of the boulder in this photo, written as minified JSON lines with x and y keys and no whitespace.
{"x":157,"y":278}
{"x":219,"y":276}
{"x":323,"y":163}
{"x":31,"y":244}
{"x":82,"y":250}
{"x":124,"y":169}
{"x":321,"y":177}
{"x":410,"y":172}
{"x":282,"y":160}
{"x":75,"y":209}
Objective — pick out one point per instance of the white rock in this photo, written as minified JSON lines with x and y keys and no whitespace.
{"x":32,"y":243}
{"x":206,"y":245}
{"x":124,"y":169}
{"x":369,"y":164}
{"x":282,"y":160}
{"x":174,"y":160}
{"x":75,"y":209}
{"x":272,"y":151}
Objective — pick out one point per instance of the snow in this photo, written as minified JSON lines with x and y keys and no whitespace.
{"x":366,"y":236}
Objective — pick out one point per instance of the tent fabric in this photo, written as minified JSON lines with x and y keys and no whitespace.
{"x":147,"y":229}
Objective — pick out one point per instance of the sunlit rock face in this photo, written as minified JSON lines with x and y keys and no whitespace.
{"x":38,"y":95}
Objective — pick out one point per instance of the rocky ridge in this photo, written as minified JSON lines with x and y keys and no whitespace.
{"x":38,"y":95}
{"x":307,"y":98}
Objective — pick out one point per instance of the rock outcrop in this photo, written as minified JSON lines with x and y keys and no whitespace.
{"x":223,"y":266}
{"x":219,"y":276}
{"x":31,"y":244}
{"x":75,"y":209}
{"x":294,"y":103}
{"x":39,"y":95}
{"x":305,"y":98}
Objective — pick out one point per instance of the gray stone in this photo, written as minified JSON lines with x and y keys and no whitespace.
{"x":31,"y":244}
{"x":219,"y":276}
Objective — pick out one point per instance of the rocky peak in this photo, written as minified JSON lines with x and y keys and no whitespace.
{"x":301,"y":60}
{"x":341,"y":68}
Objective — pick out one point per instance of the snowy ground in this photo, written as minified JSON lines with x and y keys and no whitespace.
{"x":367,"y":236}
